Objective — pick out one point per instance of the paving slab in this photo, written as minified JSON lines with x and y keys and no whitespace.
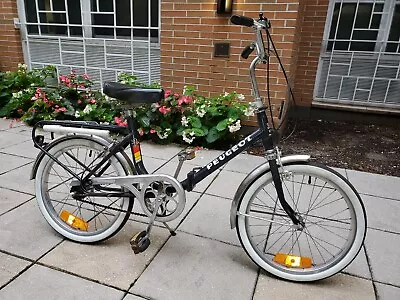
{"x":24,"y":231}
{"x":245,"y":163}
{"x":10,"y":267}
{"x":210,"y":218}
{"x":382,"y":213}
{"x":387,"y":292}
{"x":6,"y":124}
{"x":204,"y":156}
{"x":382,"y":249}
{"x":10,"y":199}
{"x":375,"y":184}
{"x":359,"y":266}
{"x":8,"y":139}
{"x":39,"y":282}
{"x":164,"y":152}
{"x":19,"y":180}
{"x":190,"y":267}
{"x":10,"y":162}
{"x":24,"y":149}
{"x":152,"y":164}
{"x":132,"y":297}
{"x":111,"y":262}
{"x":338,"y":287}
{"x":226,"y":184}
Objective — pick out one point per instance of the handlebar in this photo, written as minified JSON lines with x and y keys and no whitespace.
{"x":242,"y":20}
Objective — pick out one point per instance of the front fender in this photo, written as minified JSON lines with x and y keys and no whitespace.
{"x":124,"y":158}
{"x":253,"y":175}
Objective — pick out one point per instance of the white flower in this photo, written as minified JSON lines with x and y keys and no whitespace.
{"x":32,"y":84}
{"x":87,"y":109}
{"x":22,"y":66}
{"x":77,"y":114}
{"x":188,"y":138}
{"x":226,"y":94}
{"x":234,"y":127}
{"x":200,"y":111}
{"x":123,"y":82}
{"x":249,"y":112}
{"x":240,"y":97}
{"x":165,"y":134}
{"x":15,"y":95}
{"x":184,"y":121}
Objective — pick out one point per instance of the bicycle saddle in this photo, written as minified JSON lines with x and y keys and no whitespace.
{"x":131,"y":94}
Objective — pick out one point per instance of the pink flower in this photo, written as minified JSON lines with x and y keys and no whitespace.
{"x":85,"y":76}
{"x":141,"y":132}
{"x":93,"y":101}
{"x":63,"y":109}
{"x":167,"y":93}
{"x":164,"y":110}
{"x":176,"y":95}
{"x":38,"y":90}
{"x":185,"y":99}
{"x":153,"y":131}
{"x":120,"y":122}
{"x":79,"y":101}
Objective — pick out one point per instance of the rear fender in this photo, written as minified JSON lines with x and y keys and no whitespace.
{"x":261,"y":169}
{"x":123,"y":157}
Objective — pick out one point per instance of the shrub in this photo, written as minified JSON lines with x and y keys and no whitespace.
{"x":21,"y":81}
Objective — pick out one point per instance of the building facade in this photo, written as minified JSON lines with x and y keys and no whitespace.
{"x":337,"y":53}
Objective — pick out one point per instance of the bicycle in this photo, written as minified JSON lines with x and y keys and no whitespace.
{"x":296,"y":219}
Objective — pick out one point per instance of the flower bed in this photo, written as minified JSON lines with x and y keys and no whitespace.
{"x":185,"y":118}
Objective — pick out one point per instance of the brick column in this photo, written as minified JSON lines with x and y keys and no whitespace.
{"x":189,"y":29}
{"x":310,"y":32}
{"x":10,"y":39}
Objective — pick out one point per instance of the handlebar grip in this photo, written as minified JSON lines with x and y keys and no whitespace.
{"x":242,"y":20}
{"x":247,"y":51}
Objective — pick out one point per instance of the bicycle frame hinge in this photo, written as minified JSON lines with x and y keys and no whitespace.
{"x":272,"y":154}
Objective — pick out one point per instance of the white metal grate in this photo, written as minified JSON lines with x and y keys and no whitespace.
{"x":360,"y":58}
{"x":98,"y":37}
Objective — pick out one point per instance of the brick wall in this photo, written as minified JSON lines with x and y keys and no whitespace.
{"x":10,"y":40}
{"x":189,"y":29}
{"x":313,"y":19}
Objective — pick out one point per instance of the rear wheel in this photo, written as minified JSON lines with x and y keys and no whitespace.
{"x":334,"y":217}
{"x":84,"y":219}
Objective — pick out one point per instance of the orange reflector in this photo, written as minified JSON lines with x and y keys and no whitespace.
{"x":293,"y":261}
{"x":136,"y":152}
{"x":74,"y":221}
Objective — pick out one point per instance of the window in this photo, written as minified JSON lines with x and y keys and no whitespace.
{"x":119,"y":19}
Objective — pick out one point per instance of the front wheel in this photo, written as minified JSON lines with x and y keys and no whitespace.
{"x":333,"y":215}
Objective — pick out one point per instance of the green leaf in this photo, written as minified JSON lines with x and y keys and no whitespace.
{"x":213,"y":135}
{"x":199,"y":131}
{"x":222,"y":125}
{"x":144,"y":121}
{"x":195,"y":122}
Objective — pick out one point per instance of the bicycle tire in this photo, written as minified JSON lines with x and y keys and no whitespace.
{"x":102,"y":217}
{"x":325,"y":200}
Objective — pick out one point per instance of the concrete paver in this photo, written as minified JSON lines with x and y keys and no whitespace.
{"x":19,"y":180}
{"x":10,"y":162}
{"x":23,"y":231}
{"x":210,"y":218}
{"x":382,"y":213}
{"x":10,"y":199}
{"x":375,"y":184}
{"x":338,"y":287}
{"x":10,"y":266}
{"x":226,"y":184}
{"x":190,"y":267}
{"x":387,"y":292}
{"x":39,"y":282}
{"x":383,"y":251}
{"x":111,"y":262}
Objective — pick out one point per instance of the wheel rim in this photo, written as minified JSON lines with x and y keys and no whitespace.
{"x":100,"y":214}
{"x":330,"y":224}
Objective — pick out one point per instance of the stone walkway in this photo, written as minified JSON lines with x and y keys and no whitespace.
{"x":204,"y":260}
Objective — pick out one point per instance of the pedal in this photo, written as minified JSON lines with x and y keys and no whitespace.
{"x":140,"y":242}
